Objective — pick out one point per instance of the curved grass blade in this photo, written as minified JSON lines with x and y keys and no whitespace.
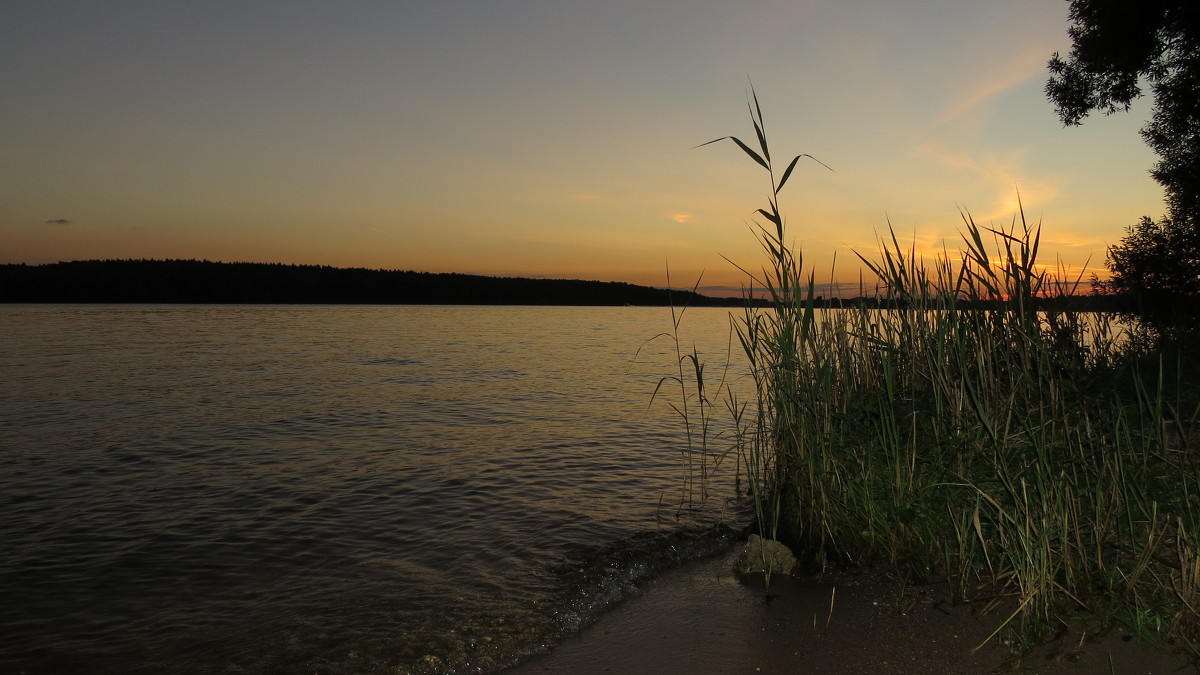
{"x":753,"y":155}
{"x":788,"y":173}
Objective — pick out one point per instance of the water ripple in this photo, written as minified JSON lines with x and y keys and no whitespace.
{"x":344,"y":489}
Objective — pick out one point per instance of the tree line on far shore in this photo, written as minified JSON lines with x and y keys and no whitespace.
{"x":202,"y":281}
{"x":207,"y":282}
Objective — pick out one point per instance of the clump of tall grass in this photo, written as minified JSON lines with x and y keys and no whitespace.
{"x":965,"y":424}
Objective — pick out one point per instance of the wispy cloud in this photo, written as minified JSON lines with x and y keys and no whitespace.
{"x":1015,"y":71}
{"x":58,"y":221}
{"x":680,"y":217}
{"x":1005,"y":175}
{"x":1070,"y":240}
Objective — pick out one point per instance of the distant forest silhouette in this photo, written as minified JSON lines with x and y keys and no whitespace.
{"x":202,"y":281}
{"x":206,"y":282}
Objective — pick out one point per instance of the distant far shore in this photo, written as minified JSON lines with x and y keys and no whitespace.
{"x":206,"y":282}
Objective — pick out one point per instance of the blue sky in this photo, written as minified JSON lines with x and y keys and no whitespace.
{"x":542,"y":138}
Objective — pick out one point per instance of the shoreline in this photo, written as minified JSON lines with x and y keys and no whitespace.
{"x":700,"y":617}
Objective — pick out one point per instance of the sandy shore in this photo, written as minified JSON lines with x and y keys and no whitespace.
{"x":700,"y":619}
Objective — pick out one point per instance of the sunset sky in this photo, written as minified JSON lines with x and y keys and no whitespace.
{"x":550,"y":138}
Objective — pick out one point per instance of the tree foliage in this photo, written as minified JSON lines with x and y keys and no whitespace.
{"x":1157,"y":268}
{"x":1117,"y":46}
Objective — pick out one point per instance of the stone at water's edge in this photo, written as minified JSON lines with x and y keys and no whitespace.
{"x":764,"y":555}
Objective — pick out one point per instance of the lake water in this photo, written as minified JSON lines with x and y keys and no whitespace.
{"x":334,"y":489}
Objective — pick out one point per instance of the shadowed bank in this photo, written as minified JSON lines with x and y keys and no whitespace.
{"x":700,"y":618}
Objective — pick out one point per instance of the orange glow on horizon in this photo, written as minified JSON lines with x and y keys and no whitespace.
{"x":577,"y":159}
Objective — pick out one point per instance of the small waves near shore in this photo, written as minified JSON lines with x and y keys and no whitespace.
{"x":334,"y":488}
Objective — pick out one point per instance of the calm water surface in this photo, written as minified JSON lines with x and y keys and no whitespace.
{"x":331,"y":488}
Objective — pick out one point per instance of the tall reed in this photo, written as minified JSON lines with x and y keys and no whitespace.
{"x":965,"y":424}
{"x":694,"y":404}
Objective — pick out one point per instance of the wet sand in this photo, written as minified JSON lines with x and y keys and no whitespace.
{"x":700,"y":618}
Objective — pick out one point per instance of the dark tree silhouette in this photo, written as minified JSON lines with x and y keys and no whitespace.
{"x":1117,"y":46}
{"x":1156,"y":267}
